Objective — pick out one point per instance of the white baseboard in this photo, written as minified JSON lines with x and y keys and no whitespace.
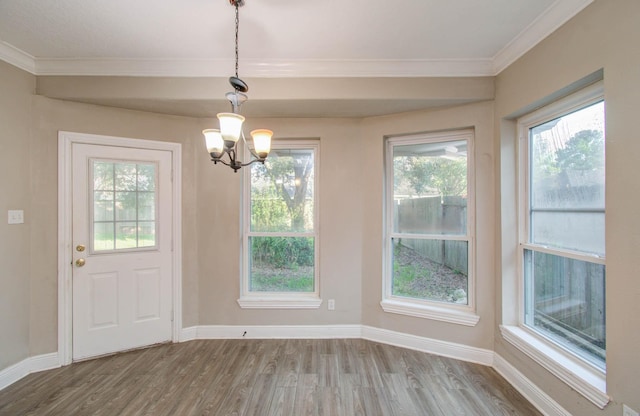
{"x":530,"y":391}
{"x":429,"y":345}
{"x":27,"y":366}
{"x":188,"y":334}
{"x":278,"y":331}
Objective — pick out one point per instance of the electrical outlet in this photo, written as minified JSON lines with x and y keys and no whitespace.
{"x":627,"y":411}
{"x":16,"y":216}
{"x":331,"y":304}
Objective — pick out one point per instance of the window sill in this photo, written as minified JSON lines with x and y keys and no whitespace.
{"x":270,"y":302}
{"x":587,"y":380}
{"x":438,"y":313}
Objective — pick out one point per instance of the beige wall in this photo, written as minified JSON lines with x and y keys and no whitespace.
{"x":340,"y":193}
{"x":51,"y":116}
{"x":15,"y":249}
{"x":480,"y":118}
{"x":603,"y":36}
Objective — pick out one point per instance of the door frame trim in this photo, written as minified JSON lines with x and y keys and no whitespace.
{"x":65,"y":242}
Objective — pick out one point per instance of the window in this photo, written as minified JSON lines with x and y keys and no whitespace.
{"x":124,"y":205}
{"x":562,"y":221}
{"x":555,"y":313}
{"x":429,"y":245}
{"x":280,"y":229}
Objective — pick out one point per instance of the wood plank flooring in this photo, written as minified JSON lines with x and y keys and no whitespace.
{"x":267,"y":378}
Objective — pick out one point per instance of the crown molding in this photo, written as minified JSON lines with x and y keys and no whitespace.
{"x":17,"y":58}
{"x":306,"y":68}
{"x":560,"y":12}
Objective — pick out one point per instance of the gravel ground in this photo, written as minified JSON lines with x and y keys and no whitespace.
{"x":432,"y":280}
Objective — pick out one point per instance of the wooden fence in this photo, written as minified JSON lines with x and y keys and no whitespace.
{"x":432,"y":215}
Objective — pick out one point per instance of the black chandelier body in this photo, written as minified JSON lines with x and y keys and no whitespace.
{"x":224,"y":141}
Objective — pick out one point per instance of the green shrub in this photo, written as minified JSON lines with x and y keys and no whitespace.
{"x":283,"y":252}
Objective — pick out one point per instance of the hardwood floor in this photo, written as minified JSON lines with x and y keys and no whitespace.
{"x":267,"y":377}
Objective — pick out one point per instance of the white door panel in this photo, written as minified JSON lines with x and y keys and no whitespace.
{"x":122,"y":217}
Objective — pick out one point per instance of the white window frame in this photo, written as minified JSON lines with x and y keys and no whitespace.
{"x":582,"y":375}
{"x":281,"y":300}
{"x":428,"y":309}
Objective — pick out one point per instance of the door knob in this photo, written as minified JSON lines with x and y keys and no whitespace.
{"x":80,"y":262}
{"x":80,"y":247}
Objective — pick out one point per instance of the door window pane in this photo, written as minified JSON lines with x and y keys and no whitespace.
{"x":124,"y":211}
{"x":146,"y":178}
{"x":126,"y":206}
{"x":102,"y":176}
{"x":126,"y":235}
{"x":125,"y":176}
{"x":103,"y":206}
{"x":103,"y":236}
{"x":146,"y":233}
{"x":146,"y":206}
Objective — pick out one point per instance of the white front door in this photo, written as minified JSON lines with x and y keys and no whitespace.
{"x":122,"y":242}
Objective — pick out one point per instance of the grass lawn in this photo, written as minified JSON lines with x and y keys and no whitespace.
{"x":265,"y":278}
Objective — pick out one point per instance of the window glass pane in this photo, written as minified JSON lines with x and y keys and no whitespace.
{"x":565,"y":301}
{"x":282,"y":194}
{"x":146,"y":233}
{"x":124,"y":205}
{"x":103,"y":206}
{"x":146,"y":206}
{"x":126,"y":235}
{"x":281,"y":264}
{"x":430,"y":269}
{"x":103,"y":236}
{"x":567,"y":179}
{"x":570,"y":230}
{"x":146,"y":177}
{"x":125,"y":177}
{"x":102,"y":176}
{"x":430,"y":188}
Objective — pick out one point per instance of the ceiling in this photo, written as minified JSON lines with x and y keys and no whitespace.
{"x":278,"y":39}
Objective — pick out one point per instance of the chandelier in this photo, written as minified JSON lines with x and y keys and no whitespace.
{"x":224,"y":141}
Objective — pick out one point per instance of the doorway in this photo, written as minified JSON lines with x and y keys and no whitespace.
{"x":118,"y":229}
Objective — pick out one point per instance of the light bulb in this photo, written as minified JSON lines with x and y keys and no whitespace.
{"x":230,"y":126}
{"x":214,"y":141}
{"x":262,"y":142}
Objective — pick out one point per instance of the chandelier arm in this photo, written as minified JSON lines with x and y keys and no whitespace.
{"x":214,"y":160}
{"x":233,"y":164}
{"x":253,"y":161}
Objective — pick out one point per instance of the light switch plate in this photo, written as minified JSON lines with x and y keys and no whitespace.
{"x":16,"y":216}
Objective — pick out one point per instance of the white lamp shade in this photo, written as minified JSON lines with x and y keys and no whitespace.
{"x":230,"y":126}
{"x":262,"y":141}
{"x":214,"y":141}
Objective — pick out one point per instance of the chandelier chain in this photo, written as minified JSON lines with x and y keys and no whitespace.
{"x":237,"y":24}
